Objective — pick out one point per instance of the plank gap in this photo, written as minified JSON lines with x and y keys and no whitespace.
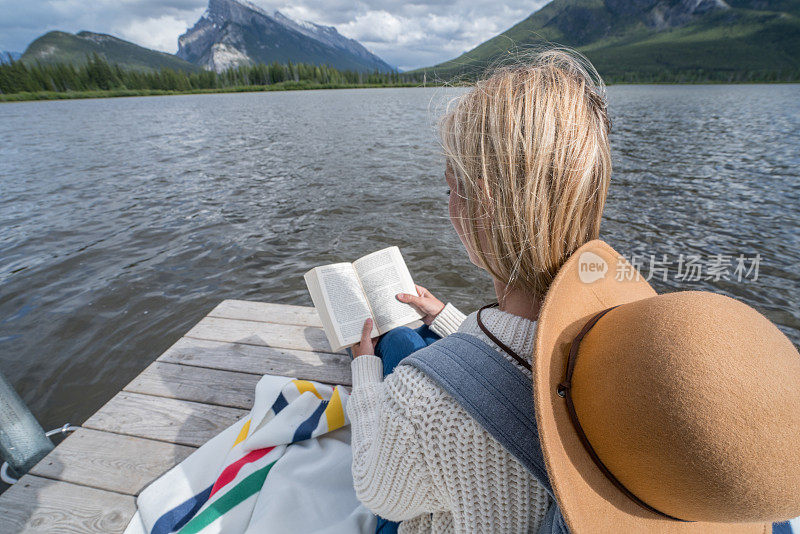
{"x":214,"y":387}
{"x":255,"y":344}
{"x":162,"y":419}
{"x":332,"y":368}
{"x":109,"y":461}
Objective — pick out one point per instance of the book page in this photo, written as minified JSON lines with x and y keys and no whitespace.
{"x":383,"y":275}
{"x":314,"y":290}
{"x":345,"y":301}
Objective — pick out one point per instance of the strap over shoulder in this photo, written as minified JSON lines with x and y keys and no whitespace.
{"x":492,"y":390}
{"x":498,"y":395}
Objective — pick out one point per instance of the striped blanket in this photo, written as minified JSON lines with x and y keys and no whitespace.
{"x":285,"y":468}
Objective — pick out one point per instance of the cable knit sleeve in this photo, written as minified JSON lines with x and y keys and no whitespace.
{"x":447,"y":321}
{"x":389,"y":471}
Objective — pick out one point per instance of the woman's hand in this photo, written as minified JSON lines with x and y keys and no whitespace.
{"x":424,"y":302}
{"x":366,"y":345}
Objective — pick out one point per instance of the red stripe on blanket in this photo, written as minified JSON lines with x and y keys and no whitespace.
{"x":230,"y":472}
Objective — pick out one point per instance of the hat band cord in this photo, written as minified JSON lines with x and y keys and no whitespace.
{"x":564,"y":390}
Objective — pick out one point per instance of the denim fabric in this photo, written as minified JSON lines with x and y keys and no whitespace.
{"x":399,"y":342}
{"x":392,"y":347}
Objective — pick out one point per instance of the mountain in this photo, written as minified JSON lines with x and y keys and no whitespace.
{"x":328,"y":35}
{"x":655,"y":39}
{"x":232,"y":33}
{"x":63,"y":47}
{"x":5,"y":55}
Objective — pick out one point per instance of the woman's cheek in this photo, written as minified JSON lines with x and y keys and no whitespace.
{"x":456,"y":218}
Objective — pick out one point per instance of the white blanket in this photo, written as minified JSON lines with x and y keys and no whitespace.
{"x":284,"y":468}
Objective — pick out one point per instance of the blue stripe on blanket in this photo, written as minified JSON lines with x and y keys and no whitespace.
{"x":176,"y":518}
{"x":307,"y":427}
{"x":280,"y":403}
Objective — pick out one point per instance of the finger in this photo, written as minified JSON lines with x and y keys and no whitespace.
{"x":408,"y":299}
{"x":365,"y":337}
{"x":421,"y":291}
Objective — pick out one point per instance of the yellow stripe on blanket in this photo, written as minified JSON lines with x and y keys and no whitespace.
{"x":305,"y":385}
{"x":242,"y":434}
{"x":334,"y":413}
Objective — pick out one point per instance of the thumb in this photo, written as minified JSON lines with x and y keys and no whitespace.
{"x":365,"y":331}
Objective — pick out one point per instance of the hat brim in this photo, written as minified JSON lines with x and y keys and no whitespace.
{"x":588,"y":500}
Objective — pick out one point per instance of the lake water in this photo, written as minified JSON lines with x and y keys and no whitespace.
{"x":124,"y":221}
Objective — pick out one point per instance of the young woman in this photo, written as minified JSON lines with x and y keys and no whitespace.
{"x":528,"y":165}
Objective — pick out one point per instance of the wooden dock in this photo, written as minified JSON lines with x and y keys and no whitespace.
{"x":197,"y":388}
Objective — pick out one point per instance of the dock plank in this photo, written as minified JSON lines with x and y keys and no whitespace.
{"x":282,"y":336}
{"x":331,"y":368}
{"x":123,"y":464}
{"x":267,"y":312}
{"x":171,"y":420}
{"x":39,"y":505}
{"x":209,"y":386}
{"x":201,"y":385}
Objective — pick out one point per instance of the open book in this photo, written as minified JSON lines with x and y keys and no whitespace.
{"x":346,"y":294}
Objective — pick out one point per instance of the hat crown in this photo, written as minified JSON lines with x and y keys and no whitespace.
{"x":691,"y":400}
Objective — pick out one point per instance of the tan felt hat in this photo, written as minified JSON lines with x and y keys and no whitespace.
{"x":689,"y":403}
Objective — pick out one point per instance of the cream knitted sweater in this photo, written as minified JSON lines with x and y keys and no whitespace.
{"x":419,"y":457}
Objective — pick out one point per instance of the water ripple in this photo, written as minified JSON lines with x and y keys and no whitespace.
{"x":124,"y":221}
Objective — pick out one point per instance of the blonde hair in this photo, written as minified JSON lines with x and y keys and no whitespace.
{"x":529,"y":149}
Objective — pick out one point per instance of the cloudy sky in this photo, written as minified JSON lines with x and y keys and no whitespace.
{"x":407,"y":35}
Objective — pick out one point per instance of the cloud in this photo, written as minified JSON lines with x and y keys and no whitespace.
{"x":158,"y":33}
{"x":378,"y":27}
{"x":407,"y":35}
{"x":412,"y":35}
{"x":149,"y":23}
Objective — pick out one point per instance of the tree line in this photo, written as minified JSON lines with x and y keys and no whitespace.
{"x":97,"y":74}
{"x":704,"y":76}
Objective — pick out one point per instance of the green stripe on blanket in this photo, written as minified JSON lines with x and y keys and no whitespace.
{"x":241,"y":492}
